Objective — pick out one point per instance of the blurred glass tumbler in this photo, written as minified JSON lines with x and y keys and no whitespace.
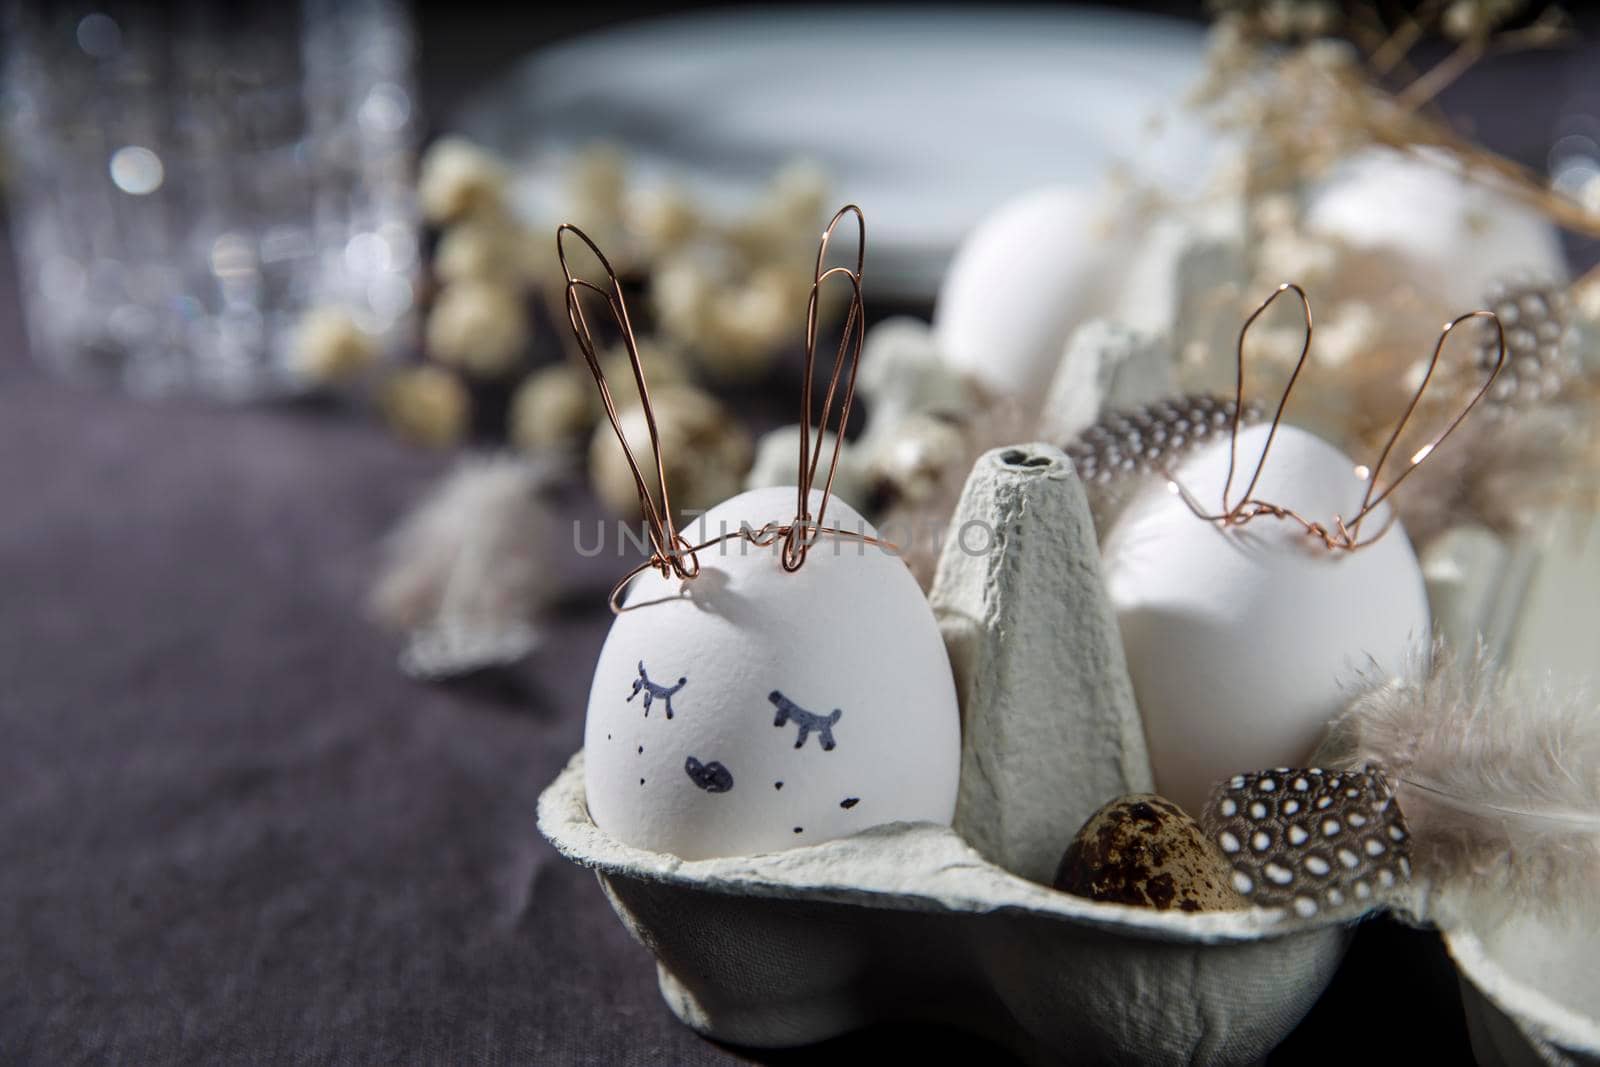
{"x":189,"y":178}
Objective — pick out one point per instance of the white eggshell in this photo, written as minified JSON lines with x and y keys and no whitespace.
{"x":1019,"y":283}
{"x":1244,"y":641}
{"x":1449,"y":237}
{"x":851,"y":630}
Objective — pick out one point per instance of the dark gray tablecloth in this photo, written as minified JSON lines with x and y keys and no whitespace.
{"x":231,"y":832}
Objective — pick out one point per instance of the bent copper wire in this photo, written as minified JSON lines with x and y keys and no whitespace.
{"x":1344,"y":535}
{"x":671,"y":554}
{"x":797,"y":541}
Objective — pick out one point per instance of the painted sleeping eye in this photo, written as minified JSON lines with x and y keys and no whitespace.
{"x":653,"y":691}
{"x":807,"y":721}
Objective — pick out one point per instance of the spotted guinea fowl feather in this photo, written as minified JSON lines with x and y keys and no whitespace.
{"x":1116,"y":455}
{"x":1311,"y":840}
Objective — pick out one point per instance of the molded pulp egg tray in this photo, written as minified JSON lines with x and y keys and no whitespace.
{"x":958,"y":925}
{"x":908,"y":922}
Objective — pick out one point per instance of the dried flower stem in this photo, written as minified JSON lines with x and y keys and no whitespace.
{"x":1439,"y":76}
{"x":1398,"y":44}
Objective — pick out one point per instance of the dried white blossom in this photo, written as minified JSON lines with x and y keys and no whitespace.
{"x":458,"y":179}
{"x":681,"y":292}
{"x":596,"y":184}
{"x":598,"y":176}
{"x":479,"y":326}
{"x":777,"y":463}
{"x":747,"y":323}
{"x":663,"y":217}
{"x":661,"y":363}
{"x":328,"y":347}
{"x":1475,"y":19}
{"x":704,"y":449}
{"x":916,"y":457}
{"x":553,"y":406}
{"x":489,"y":248}
{"x":426,"y":405}
{"x":783,"y":225}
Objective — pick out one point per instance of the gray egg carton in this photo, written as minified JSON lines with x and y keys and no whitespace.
{"x":1530,"y":984}
{"x":908,"y":922}
{"x":958,"y":924}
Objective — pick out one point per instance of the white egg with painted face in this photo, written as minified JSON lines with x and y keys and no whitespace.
{"x":1244,"y":641}
{"x":752,"y":709}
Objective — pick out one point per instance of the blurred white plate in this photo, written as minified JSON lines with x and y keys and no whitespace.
{"x":928,"y":119}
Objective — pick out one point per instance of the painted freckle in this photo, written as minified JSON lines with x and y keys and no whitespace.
{"x":849,"y":802}
{"x":799,"y":829}
{"x":777,"y":785}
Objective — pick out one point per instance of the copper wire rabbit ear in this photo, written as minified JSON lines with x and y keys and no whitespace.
{"x":1283,"y":400}
{"x":1343,"y":535}
{"x":803,"y":530}
{"x":1237,"y":514}
{"x":1374,"y":496}
{"x":671,"y":554}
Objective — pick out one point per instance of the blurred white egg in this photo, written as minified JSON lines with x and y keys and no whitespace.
{"x":1021,"y":280}
{"x":752,"y":709}
{"x":1243,"y":642}
{"x":1431,"y":228}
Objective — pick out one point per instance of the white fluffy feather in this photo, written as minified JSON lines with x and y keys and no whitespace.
{"x":1500,"y":786}
{"x":463,"y":571}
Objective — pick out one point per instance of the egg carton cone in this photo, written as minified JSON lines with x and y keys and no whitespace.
{"x":1050,"y":730}
{"x":922,"y":921}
